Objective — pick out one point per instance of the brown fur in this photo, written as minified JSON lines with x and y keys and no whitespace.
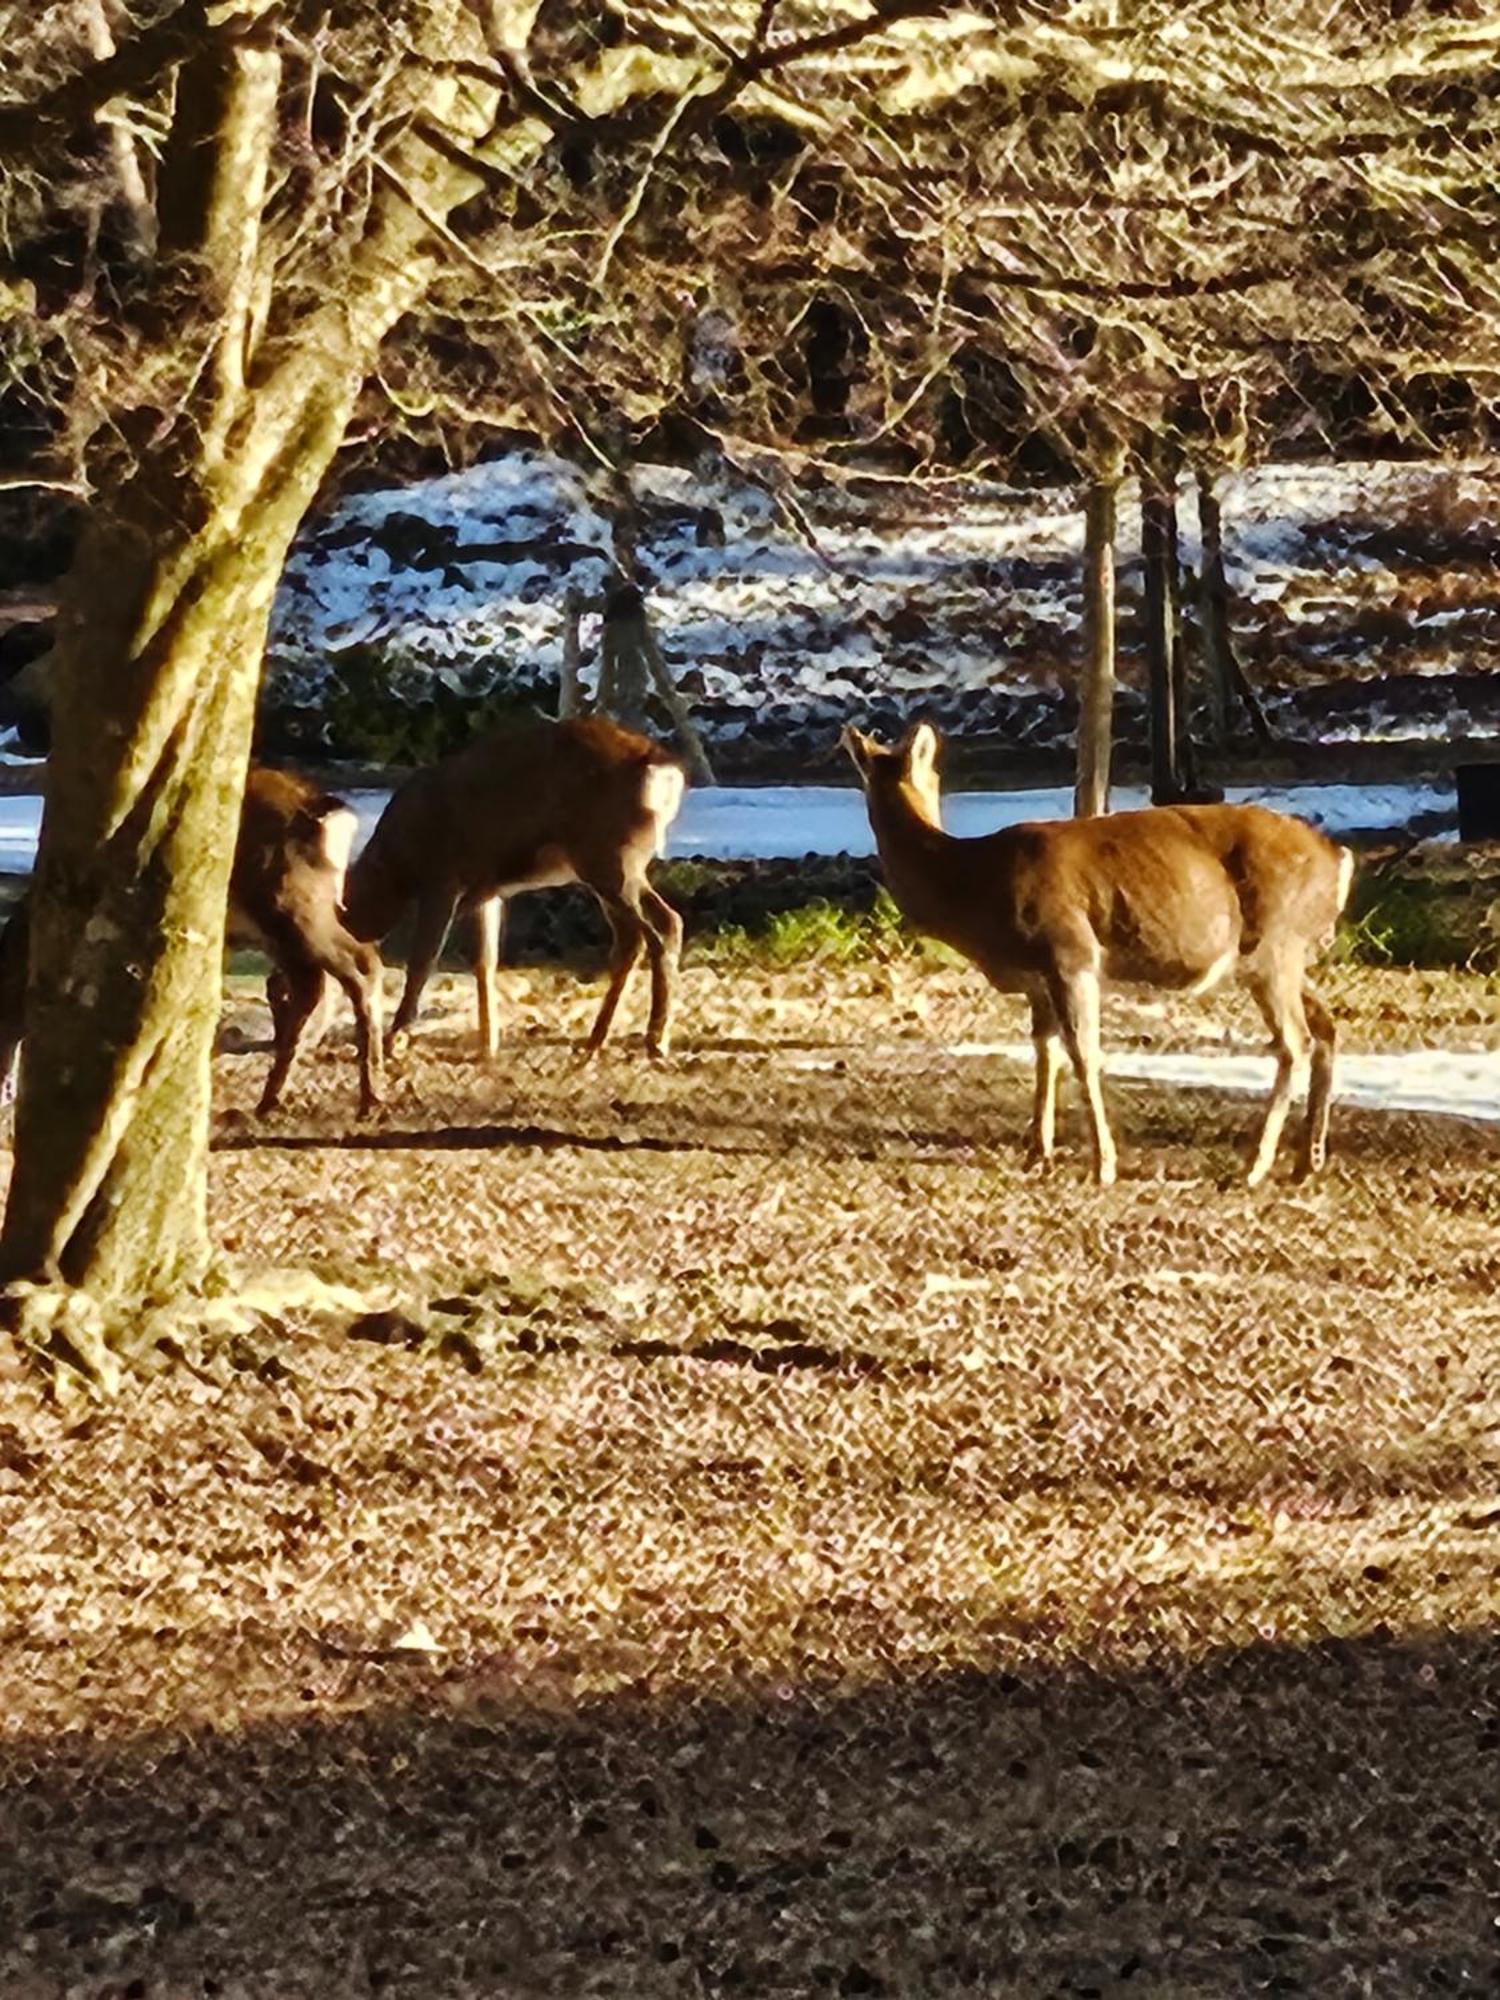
{"x":284,"y":896}
{"x":1174,"y":897}
{"x":524,"y":808}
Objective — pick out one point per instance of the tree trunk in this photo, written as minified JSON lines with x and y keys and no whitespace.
{"x":162,"y":628}
{"x":1225,"y":676}
{"x":632,"y":661}
{"x":624,"y":650}
{"x":1096,"y":702}
{"x":158,"y":663}
{"x":1158,"y":551}
{"x":1182,"y":687}
{"x":1213,"y":614}
{"x":699,"y":768}
{"x":570,"y":681}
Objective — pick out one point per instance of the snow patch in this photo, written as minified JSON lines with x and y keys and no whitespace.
{"x":1449,"y":1083}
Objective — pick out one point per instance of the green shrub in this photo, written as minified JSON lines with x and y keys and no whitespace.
{"x":1408,"y":921}
{"x":817,"y":932}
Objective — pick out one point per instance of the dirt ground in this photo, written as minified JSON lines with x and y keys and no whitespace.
{"x":751,"y":1536}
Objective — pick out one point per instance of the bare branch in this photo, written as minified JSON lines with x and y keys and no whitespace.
{"x":26,"y":129}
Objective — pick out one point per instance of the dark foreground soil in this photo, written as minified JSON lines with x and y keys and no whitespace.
{"x":727,"y":1528}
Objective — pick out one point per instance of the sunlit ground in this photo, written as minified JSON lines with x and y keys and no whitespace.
{"x":770,"y":1542}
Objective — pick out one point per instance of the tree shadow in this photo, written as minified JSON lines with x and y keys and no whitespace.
{"x":1281,"y":1820}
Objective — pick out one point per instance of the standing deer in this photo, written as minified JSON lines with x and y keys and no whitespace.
{"x":1173,"y":897}
{"x":285,"y":889}
{"x":528,"y":808}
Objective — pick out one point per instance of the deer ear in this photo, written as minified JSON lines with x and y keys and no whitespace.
{"x":859,"y":748}
{"x":922,"y":751}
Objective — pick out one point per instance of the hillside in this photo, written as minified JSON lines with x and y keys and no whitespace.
{"x":1367,"y":607}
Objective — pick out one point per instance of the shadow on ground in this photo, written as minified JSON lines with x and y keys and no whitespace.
{"x":1281,"y":1821}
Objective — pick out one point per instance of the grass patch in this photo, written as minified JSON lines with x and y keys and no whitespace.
{"x":819,"y":932}
{"x":1418,"y":922}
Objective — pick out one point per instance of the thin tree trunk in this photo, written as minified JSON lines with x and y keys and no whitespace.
{"x":1096,"y":701}
{"x":1156,"y":554}
{"x":570,"y":682}
{"x":624,"y":646}
{"x":1213,"y":613}
{"x":699,"y":768}
{"x":1226,"y":677}
{"x":631,"y":657}
{"x":1182,"y":687}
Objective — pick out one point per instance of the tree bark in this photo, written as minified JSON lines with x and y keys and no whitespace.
{"x":623,"y":694}
{"x":158,"y":663}
{"x":1182,"y":683}
{"x":1225,"y":675}
{"x":1096,"y":703}
{"x":1158,"y":541}
{"x":570,"y":680}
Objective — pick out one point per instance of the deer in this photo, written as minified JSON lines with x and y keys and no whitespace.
{"x":529,"y":807}
{"x":1169,"y":897}
{"x":285,"y":891}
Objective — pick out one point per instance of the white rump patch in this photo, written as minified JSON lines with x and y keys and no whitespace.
{"x":662,"y":794}
{"x":1206,"y":981}
{"x":339,"y":829}
{"x":1346,"y":874}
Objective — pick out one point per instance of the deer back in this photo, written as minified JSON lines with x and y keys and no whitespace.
{"x":523,"y":807}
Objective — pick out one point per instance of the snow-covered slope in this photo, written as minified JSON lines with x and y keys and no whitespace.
{"x":1367,"y":601}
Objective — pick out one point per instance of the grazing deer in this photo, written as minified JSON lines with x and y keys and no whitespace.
{"x":285,"y":889}
{"x":524,"y":808}
{"x":286,"y":892}
{"x":1174,"y":896}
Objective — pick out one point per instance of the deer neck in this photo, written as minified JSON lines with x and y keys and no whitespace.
{"x":918,"y":857}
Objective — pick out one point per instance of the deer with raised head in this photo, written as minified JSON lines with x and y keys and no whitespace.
{"x":530,"y":807}
{"x":1174,"y":897}
{"x":285,"y":891}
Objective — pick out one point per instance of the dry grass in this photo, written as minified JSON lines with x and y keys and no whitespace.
{"x":852,"y":1564}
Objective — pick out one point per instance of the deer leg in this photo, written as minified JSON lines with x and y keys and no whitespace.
{"x":1278,"y":994}
{"x":664,"y":947}
{"x":301,"y":984}
{"x":1313,"y":1151}
{"x":489,"y":921}
{"x":434,"y":915}
{"x":356,"y":967}
{"x":1075,"y":1000}
{"x":316,"y":1025}
{"x":629,"y":933}
{"x":1046,"y":1040}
